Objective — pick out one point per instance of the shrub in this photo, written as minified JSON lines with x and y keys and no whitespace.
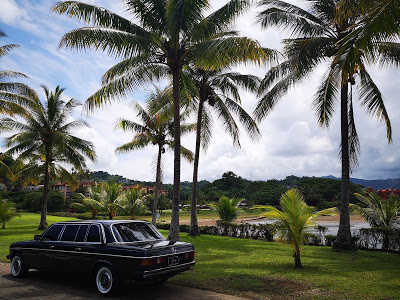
{"x":226,"y":208}
{"x":33,"y":201}
{"x":77,"y":207}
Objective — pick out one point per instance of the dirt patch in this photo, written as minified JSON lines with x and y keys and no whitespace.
{"x":323,"y":219}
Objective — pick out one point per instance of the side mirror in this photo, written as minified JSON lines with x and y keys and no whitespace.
{"x":37,"y":237}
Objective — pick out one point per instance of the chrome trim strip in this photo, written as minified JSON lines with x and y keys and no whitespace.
{"x":167,"y":269}
{"x":95,"y":253}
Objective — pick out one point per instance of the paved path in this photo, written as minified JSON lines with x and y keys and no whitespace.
{"x":38,"y":285}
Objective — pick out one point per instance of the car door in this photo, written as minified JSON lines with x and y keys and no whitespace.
{"x":46,"y":255}
{"x":66,"y":247}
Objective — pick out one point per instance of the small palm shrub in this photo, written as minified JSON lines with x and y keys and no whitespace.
{"x":7,"y":212}
{"x":226,"y":208}
{"x":292,"y":221}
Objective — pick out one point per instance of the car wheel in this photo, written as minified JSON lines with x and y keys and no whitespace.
{"x":18,"y":268}
{"x":106,"y":280}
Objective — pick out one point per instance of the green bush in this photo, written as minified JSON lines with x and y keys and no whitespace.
{"x":77,"y":207}
{"x":33,"y":201}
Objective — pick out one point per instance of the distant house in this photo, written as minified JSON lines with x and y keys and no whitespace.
{"x":62,"y":187}
{"x":243,"y":203}
{"x":33,"y":188}
{"x":385,"y":193}
{"x":67,"y":190}
{"x":144,"y":188}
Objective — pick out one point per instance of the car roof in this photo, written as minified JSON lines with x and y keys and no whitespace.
{"x":100,"y":221}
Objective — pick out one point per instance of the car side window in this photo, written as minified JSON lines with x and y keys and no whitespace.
{"x":80,"y":237}
{"x":52,"y":233}
{"x":69,"y":233}
{"x":93,"y":235}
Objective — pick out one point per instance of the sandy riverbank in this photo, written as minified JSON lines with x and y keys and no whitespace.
{"x":324,"y":219}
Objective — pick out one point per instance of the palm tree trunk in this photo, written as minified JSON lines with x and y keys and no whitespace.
{"x":174,"y":229}
{"x":158,"y":180}
{"x":297,"y":260}
{"x":43,"y":212}
{"x":344,"y":240}
{"x":194,"y":226}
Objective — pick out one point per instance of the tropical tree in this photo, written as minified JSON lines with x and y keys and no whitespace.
{"x":169,"y":35}
{"x":382,"y":213}
{"x":14,"y":96}
{"x":43,"y":138}
{"x":217,"y":91}
{"x":112,"y":198}
{"x":93,"y":204}
{"x":7,"y":212}
{"x":292,"y":220}
{"x":315,"y":34}
{"x":226,"y":208}
{"x":134,"y":203}
{"x":157,"y":128}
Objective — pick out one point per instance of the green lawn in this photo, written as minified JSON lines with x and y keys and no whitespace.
{"x":264,"y":270}
{"x":22,"y":229}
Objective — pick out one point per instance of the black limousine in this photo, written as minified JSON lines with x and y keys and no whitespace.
{"x":110,"y":251}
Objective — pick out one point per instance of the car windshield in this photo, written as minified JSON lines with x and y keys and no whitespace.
{"x":135,"y":232}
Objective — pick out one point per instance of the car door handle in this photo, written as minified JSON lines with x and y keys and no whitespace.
{"x":78,"y":249}
{"x":51,"y":247}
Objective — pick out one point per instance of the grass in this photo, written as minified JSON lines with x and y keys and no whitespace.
{"x":22,"y":229}
{"x":264,"y":270}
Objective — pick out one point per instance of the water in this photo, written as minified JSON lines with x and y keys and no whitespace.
{"x":333,"y":227}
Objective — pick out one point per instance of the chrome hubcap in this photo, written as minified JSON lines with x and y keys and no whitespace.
{"x":104,"y":280}
{"x":16,"y":265}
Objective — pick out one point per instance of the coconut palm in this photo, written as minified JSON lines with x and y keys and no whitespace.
{"x":226,"y":208}
{"x":44,"y":140}
{"x":168,"y":36}
{"x":377,"y":211}
{"x":383,"y":213}
{"x":157,"y":128}
{"x":7,"y":212}
{"x":293,"y":220}
{"x":315,"y":34}
{"x":112,"y":198}
{"x":134,"y":203}
{"x":217,"y":91}
{"x":14,"y":96}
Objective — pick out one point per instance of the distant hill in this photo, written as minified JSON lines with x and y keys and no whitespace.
{"x":375,"y":184}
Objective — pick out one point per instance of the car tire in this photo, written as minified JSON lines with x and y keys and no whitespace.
{"x":18,"y":268}
{"x":106,"y":280}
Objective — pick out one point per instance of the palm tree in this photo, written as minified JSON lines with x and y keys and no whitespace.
{"x":169,"y":35}
{"x":7,"y":212}
{"x":14,"y":96}
{"x":134,"y":203}
{"x":316,"y":33}
{"x":293,"y":220}
{"x":113,"y":197}
{"x":226,"y":208}
{"x":157,"y":128}
{"x":218,"y":89}
{"x":383,"y":213}
{"x":44,"y":139}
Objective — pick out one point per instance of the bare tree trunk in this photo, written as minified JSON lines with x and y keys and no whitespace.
{"x":158,"y":180}
{"x":45,"y":198}
{"x":344,"y":240}
{"x":174,"y":229}
{"x":194,"y":226}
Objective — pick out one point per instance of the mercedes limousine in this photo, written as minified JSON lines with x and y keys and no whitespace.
{"x":110,"y":251}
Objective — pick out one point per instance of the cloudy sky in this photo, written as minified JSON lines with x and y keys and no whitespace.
{"x":291,"y":143}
